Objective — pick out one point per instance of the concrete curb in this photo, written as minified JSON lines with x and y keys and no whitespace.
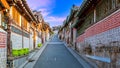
{"x":23,"y":64}
{"x":82,"y":61}
{"x":28,"y":57}
{"x":35,"y":56}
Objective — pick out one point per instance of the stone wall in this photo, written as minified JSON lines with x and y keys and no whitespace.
{"x":31,"y":39}
{"x":31,"y":42}
{"x":18,"y":62}
{"x":3,"y":57}
{"x":3,"y":50}
{"x":104,"y":33}
{"x":26,"y":42}
{"x":16,"y":41}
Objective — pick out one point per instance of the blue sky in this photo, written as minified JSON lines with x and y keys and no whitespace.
{"x":53,"y":11}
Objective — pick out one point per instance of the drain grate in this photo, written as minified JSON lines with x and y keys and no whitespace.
{"x":31,"y":60}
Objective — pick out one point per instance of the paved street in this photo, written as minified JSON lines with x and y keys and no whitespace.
{"x":56,"y":55}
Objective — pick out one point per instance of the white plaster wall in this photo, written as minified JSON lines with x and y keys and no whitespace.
{"x":48,"y":36}
{"x":16,"y":41}
{"x":26,"y":42}
{"x":31,"y":42}
{"x":3,"y":57}
{"x":38,"y":40}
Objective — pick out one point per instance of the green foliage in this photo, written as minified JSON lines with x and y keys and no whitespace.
{"x":26,"y":50}
{"x":15,"y":52}
{"x":20,"y":52}
{"x":39,"y":44}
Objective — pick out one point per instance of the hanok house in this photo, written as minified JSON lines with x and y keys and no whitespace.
{"x":64,"y":30}
{"x":4,"y":7}
{"x":20,"y":20}
{"x":45,"y":32}
{"x":39,"y":27}
{"x":67,"y":30}
{"x":61,"y":31}
{"x":36,"y":30}
{"x":72,"y":18}
{"x":98,"y":31}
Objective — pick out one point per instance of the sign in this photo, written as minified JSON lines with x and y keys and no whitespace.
{"x":3,"y":40}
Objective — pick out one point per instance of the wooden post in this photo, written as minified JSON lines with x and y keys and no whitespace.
{"x":9,"y":42}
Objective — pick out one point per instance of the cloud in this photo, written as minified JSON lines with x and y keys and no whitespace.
{"x":46,"y":8}
{"x":54,"y":21}
{"x":45,"y":12}
{"x":36,"y":4}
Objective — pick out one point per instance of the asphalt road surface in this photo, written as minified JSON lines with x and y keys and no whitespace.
{"x":56,"y":55}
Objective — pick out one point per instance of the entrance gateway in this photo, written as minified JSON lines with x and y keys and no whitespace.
{"x":3,"y":48}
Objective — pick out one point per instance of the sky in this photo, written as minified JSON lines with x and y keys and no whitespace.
{"x":53,"y":11}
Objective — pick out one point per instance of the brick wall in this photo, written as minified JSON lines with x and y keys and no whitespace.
{"x":108,"y":23}
{"x":103,"y":33}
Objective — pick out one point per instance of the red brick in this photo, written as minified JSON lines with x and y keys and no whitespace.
{"x":102,"y":26}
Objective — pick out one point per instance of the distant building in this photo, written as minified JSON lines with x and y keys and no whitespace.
{"x":66,"y":32}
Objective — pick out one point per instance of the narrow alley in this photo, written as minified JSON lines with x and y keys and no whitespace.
{"x":60,"y":34}
{"x":56,"y":55}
